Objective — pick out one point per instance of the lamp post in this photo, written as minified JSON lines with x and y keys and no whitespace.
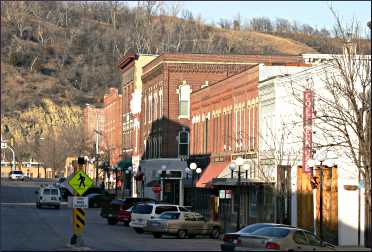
{"x":129,"y":173}
{"x":239,"y":162}
{"x":312,"y":163}
{"x":198,"y":171}
{"x":193,"y":167}
{"x":162,"y":175}
{"x":115,"y":168}
{"x":232,"y":168}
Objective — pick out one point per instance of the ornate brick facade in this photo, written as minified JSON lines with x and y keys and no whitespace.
{"x":93,"y":119}
{"x":113,"y":124}
{"x":225,"y":119}
{"x":163,"y":78}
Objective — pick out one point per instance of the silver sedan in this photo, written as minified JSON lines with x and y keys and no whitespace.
{"x":279,"y":238}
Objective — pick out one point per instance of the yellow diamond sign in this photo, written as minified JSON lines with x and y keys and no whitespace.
{"x":80,"y":182}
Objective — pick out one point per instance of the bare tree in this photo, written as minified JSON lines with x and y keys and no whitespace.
{"x":342,"y":91}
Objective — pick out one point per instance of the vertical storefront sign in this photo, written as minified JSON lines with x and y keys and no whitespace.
{"x":307,"y":128}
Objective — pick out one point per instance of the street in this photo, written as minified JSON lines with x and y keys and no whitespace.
{"x":24,"y":227}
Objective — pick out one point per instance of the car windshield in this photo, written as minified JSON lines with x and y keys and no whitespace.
{"x":169,"y":216}
{"x":54,"y":191}
{"x":272,"y":232}
{"x":251,"y":228}
{"x":17,"y":172}
{"x":142,"y":209}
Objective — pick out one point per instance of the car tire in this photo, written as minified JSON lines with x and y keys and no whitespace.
{"x":112,"y":221}
{"x":57,"y":206}
{"x":126,"y":223}
{"x":182,"y":234}
{"x":157,"y":235}
{"x":215,"y":233}
{"x":139,"y":230}
{"x":37,"y":205}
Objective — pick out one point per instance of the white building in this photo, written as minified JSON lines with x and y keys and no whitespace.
{"x":281,"y":142}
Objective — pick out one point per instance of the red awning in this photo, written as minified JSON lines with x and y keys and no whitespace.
{"x":212,"y":171}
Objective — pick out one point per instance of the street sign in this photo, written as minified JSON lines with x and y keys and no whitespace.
{"x":80,"y":202}
{"x":80,"y":182}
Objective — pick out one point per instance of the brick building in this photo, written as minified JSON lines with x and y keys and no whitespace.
{"x":93,"y":119}
{"x":224,"y":121}
{"x":167,"y":84}
{"x":131,"y":68}
{"x":113,"y":125}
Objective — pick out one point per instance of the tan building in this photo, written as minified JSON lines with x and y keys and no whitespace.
{"x":31,"y":169}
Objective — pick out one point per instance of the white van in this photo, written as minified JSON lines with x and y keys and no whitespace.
{"x":16,"y":175}
{"x":143,"y":212}
{"x":48,"y":196}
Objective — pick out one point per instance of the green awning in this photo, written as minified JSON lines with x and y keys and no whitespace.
{"x":124,"y":164}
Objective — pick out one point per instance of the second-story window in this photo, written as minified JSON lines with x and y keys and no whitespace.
{"x":150,"y":108}
{"x":155,"y":106}
{"x":145,"y":110}
{"x":184,"y":100}
{"x":161,"y":103}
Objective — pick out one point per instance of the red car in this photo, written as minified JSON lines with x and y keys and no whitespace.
{"x":125,"y":215}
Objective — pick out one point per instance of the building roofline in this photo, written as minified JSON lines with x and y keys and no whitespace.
{"x":212,"y":58}
{"x":227,"y":78}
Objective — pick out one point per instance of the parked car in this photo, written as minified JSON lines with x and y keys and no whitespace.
{"x":247,"y":230}
{"x":48,"y":196}
{"x":183,"y":224}
{"x":111,"y":211}
{"x":97,"y":200}
{"x":143,"y":212}
{"x":60,"y":181}
{"x":16,"y":175}
{"x":92,"y":190}
{"x":125,"y":215}
{"x":279,"y":238}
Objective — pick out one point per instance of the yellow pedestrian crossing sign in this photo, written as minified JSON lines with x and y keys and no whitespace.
{"x":80,"y":182}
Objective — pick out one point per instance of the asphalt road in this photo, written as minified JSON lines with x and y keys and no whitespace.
{"x":24,"y":227}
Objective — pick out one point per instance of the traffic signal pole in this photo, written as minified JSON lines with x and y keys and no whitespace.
{"x":78,"y":217}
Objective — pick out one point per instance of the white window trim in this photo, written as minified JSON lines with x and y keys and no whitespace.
{"x":150,"y":108}
{"x":145,"y":110}
{"x":249,"y":128}
{"x":253,"y":122}
{"x":161,"y":103}
{"x":184,"y":84}
{"x":155,"y":106}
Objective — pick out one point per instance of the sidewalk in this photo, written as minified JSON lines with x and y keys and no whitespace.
{"x":351,"y":248}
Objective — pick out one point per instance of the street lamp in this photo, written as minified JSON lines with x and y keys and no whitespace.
{"x":239,"y":162}
{"x":321,"y":157}
{"x":129,"y":173}
{"x":198,"y":171}
{"x":187,"y":171}
{"x":193,"y":167}
{"x":232,"y":168}
{"x":162,"y":173}
{"x":115,"y":168}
